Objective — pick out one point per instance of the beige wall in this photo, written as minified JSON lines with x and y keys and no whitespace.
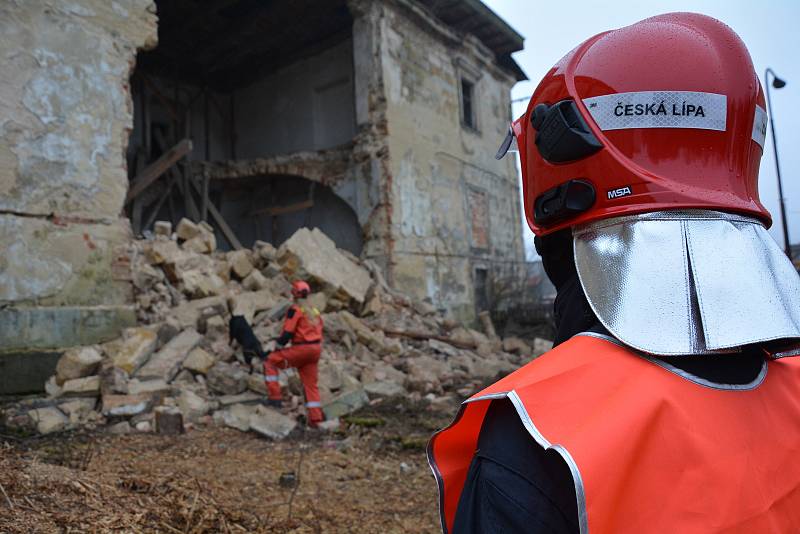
{"x":65,"y":113}
{"x":436,"y":162}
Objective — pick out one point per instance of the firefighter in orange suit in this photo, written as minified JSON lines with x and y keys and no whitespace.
{"x":671,"y":399}
{"x":303,"y":328}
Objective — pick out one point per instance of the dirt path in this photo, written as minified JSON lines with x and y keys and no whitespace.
{"x":371,"y":476}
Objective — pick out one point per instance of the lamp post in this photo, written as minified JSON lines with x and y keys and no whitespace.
{"x":777,"y":83}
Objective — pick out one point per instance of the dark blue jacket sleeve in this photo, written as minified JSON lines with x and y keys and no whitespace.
{"x":513,"y":484}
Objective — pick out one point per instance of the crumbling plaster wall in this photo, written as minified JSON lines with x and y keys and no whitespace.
{"x":437,"y":162}
{"x":307,"y":105}
{"x":65,"y":113}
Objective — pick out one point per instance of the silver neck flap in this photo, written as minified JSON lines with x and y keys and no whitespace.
{"x":686,"y":282}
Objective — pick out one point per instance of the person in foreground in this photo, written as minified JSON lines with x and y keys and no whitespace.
{"x":303,"y":328}
{"x":671,"y":399}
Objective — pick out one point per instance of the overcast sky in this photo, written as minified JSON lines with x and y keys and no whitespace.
{"x":769,"y":29}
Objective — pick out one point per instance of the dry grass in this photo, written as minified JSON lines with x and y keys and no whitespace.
{"x":219,"y":480}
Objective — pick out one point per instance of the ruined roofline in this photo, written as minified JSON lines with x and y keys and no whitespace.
{"x":475,"y":17}
{"x":324,"y":166}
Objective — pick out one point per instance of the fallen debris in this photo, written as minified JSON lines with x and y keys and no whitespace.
{"x":177,"y":370}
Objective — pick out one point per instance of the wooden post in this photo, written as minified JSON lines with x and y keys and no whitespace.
{"x":148,"y":141}
{"x":154,"y":213}
{"x":169,"y":421}
{"x":217,"y":216}
{"x":204,"y":199}
{"x":206,"y":125}
{"x":232,"y":124}
{"x":282,"y":210}
{"x":151,"y":173}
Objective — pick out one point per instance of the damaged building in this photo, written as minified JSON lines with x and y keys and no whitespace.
{"x":373,"y":120}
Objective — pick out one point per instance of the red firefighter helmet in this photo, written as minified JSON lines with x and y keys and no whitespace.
{"x":664,"y":114}
{"x":300,"y":289}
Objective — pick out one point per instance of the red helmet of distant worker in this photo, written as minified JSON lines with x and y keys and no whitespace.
{"x":300,"y":289}
{"x":665,"y":114}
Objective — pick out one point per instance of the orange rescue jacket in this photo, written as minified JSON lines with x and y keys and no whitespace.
{"x":304,"y":322}
{"x":650,"y":447}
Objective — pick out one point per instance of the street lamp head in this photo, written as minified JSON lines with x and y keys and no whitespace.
{"x":777,"y":83}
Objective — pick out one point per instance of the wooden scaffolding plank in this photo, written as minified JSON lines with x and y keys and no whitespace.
{"x":153,"y":171}
{"x":217,"y":216}
{"x":282,"y":210}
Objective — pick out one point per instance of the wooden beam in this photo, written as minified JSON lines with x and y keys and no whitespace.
{"x":160,"y":97}
{"x":217,"y":216}
{"x":204,"y":199}
{"x":153,"y":171}
{"x":154,"y":213}
{"x":282,"y":210}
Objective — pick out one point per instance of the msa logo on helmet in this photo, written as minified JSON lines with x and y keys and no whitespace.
{"x":619,"y":192}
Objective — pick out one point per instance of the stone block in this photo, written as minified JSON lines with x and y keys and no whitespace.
{"x":240,"y":263}
{"x":540,"y":346}
{"x":345,"y":403}
{"x":248,"y":304}
{"x":192,"y":405}
{"x":515,"y":345}
{"x":318,"y":300}
{"x":81,"y":387}
{"x":77,"y":409}
{"x":126,"y":405}
{"x":198,"y":284}
{"x":186,"y":229}
{"x":310,"y":254}
{"x":255,"y":281}
{"x":199,"y":361}
{"x":271,"y":423}
{"x":48,"y":420}
{"x":123,"y":427}
{"x":162,"y":251}
{"x":265,"y":251}
{"x":188,"y":314}
{"x":255,"y":383}
{"x":76,"y":363}
{"x":227,"y":379}
{"x":162,"y":228}
{"x":382,"y":372}
{"x":137,"y":346}
{"x":384,"y":389}
{"x":236,"y":416}
{"x":168,"y":421}
{"x":166,"y":363}
{"x":156,"y":387}
{"x":242,"y":398}
{"x":216,"y":327}
{"x":113,"y":380}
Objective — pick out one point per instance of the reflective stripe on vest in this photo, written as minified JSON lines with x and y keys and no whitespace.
{"x":651,"y":448}
{"x":314,"y":404}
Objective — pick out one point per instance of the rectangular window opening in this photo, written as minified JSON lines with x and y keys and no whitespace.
{"x":467,"y":103}
{"x":481,"y":289}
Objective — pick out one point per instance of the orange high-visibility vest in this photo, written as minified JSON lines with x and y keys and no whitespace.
{"x":651,"y":448}
{"x":305,"y":324}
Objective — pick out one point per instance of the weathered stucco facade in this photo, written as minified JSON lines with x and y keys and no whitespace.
{"x":359,"y":116}
{"x":65,"y":113}
{"x":456,"y":208}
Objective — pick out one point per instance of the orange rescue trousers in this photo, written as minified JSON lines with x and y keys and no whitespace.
{"x":304,"y":358}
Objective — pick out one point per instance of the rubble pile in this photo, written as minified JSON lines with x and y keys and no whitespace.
{"x":177,"y":369}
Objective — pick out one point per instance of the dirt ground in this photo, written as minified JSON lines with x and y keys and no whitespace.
{"x":370,"y":476}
